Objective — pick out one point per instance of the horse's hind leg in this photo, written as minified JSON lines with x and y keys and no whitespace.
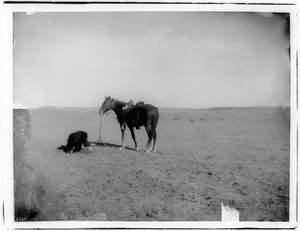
{"x":153,"y":128}
{"x":150,"y":137}
{"x":154,"y":141}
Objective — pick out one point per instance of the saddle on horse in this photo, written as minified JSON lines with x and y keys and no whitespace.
{"x":132,"y":114}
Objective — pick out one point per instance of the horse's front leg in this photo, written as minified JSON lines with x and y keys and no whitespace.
{"x":133,"y":137}
{"x":123,"y":137}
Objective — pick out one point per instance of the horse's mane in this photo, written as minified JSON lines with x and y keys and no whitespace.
{"x":119,"y":101}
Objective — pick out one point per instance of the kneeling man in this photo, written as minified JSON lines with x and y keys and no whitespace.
{"x":75,"y":140}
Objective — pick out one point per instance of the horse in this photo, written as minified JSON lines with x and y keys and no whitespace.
{"x":134,"y":116}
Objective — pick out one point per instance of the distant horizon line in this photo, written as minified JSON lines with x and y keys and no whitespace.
{"x":189,"y":108}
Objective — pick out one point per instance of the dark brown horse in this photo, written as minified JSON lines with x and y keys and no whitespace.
{"x":133,"y":116}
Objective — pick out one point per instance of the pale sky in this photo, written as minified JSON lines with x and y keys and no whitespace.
{"x":168,"y":59}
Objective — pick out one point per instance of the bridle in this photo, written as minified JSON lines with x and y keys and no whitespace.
{"x":111,"y":105}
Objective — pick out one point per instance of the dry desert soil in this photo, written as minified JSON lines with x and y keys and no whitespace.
{"x":237,"y":156}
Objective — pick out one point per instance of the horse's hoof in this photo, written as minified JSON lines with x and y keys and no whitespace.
{"x":153,"y":150}
{"x":148,"y":150}
{"x":121,"y":148}
{"x":137,"y":149}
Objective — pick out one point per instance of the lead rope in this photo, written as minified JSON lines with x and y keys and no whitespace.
{"x":100,"y":139}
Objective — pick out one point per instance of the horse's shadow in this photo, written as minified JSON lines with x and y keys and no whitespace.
{"x":110,"y":145}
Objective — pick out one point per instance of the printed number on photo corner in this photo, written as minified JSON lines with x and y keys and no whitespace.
{"x":21,"y":219}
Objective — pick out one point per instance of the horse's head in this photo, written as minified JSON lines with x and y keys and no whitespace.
{"x":106,"y":105}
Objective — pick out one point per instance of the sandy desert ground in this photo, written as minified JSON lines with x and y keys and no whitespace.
{"x":237,"y":156}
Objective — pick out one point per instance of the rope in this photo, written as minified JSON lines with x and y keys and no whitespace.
{"x":100,"y":139}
